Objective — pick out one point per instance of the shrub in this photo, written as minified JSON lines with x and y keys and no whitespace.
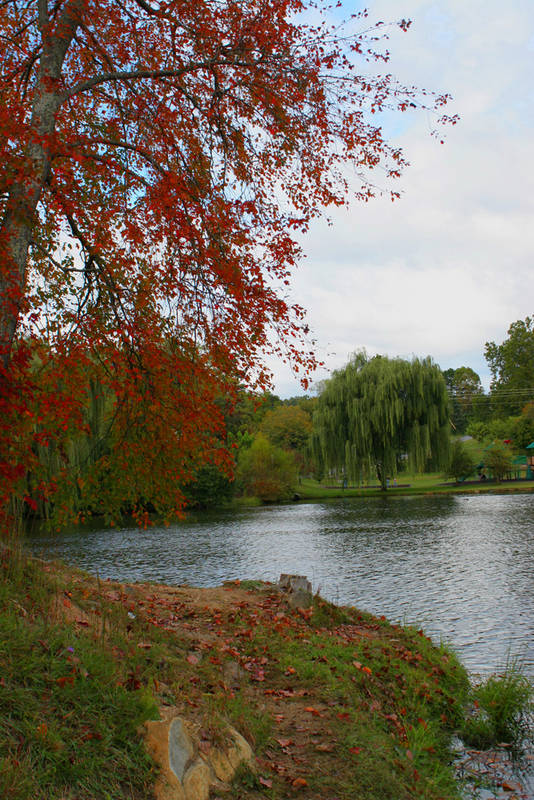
{"x":461,"y":462}
{"x":498,"y":458}
{"x":266,"y":471}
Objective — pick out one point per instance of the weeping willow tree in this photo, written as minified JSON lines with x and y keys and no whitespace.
{"x":376,"y":410}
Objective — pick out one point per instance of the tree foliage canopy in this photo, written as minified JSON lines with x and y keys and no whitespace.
{"x":374,"y":410}
{"x":288,"y":427}
{"x":465,"y":389}
{"x":512,"y":367}
{"x":266,"y":471}
{"x":157,"y":160}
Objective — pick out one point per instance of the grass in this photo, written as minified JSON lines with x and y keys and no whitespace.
{"x":69,"y":717}
{"x":335,"y":702}
{"x":501,"y":711}
{"x":425,"y":484}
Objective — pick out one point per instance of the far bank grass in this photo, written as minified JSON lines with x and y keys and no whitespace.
{"x":408,"y":485}
{"x":335,"y":703}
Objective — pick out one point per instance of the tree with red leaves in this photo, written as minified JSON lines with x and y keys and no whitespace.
{"x":158,"y":157}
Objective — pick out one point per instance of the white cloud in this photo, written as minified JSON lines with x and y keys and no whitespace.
{"x":450,"y":265}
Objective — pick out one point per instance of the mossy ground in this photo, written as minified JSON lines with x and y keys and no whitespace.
{"x":336,"y":704}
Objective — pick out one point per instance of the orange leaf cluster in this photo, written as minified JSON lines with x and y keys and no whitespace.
{"x":158,"y":160}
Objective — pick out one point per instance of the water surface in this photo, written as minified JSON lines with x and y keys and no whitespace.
{"x":462,"y":567}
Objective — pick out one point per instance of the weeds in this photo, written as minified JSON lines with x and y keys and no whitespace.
{"x":501,"y":711}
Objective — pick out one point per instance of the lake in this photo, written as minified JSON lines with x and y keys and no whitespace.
{"x":460,"y":566}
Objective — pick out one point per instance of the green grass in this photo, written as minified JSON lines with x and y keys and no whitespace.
{"x":69,"y":716}
{"x":501,"y":711}
{"x":389,"y":703}
{"x":335,"y":702}
{"x":425,"y":484}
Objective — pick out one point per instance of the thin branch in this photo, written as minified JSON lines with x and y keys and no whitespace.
{"x":137,"y":74}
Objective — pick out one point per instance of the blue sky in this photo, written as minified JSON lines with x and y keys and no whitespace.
{"x":450,"y":265}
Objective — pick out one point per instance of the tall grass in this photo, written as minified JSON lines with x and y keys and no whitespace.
{"x":501,"y":713}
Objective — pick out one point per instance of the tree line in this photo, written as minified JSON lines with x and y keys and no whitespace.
{"x":371,"y":421}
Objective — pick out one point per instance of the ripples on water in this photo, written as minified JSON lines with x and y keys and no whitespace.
{"x":460,"y":566}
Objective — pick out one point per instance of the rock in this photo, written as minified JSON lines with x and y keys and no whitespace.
{"x":181,"y":750}
{"x":220,"y":764}
{"x":168,"y":786}
{"x":241,"y":751}
{"x":186,"y":771}
{"x":197,"y":781}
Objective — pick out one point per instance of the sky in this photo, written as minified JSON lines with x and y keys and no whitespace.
{"x":450,"y":265}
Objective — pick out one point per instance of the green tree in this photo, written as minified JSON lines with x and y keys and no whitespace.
{"x":461,"y":462}
{"x":374,"y":410}
{"x":498,"y":459}
{"x":465,"y":389}
{"x":209,"y":489}
{"x":288,"y":427}
{"x":266,"y":471}
{"x":522,"y":431}
{"x":512,"y":367}
{"x":478,"y":430}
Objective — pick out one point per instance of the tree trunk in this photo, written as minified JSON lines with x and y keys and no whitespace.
{"x":381,"y":474}
{"x":20,"y":217}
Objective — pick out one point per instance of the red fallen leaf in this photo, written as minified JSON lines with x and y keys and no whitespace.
{"x":290,"y":671}
{"x":192,"y":659}
{"x":355,"y":750}
{"x":356,"y":664}
{"x":82,"y":622}
{"x":266,"y":782}
{"x":66,"y":679}
{"x":284,"y":742}
{"x":298,"y":783}
{"x":511,"y":787}
{"x":343,"y":715}
{"x":66,"y":603}
{"x":144,"y":645}
{"x":312,"y":710}
{"x":409,"y":755}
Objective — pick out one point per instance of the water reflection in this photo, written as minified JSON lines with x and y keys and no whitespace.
{"x":461,"y":566}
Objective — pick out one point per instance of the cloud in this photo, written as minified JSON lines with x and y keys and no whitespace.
{"x":450,"y":265}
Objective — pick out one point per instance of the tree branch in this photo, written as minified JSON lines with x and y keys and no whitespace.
{"x":137,"y":74}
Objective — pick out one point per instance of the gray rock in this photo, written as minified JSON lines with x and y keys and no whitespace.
{"x":181,"y":750}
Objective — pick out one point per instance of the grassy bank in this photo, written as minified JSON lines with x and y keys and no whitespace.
{"x":427,"y":484}
{"x":334,"y":702}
